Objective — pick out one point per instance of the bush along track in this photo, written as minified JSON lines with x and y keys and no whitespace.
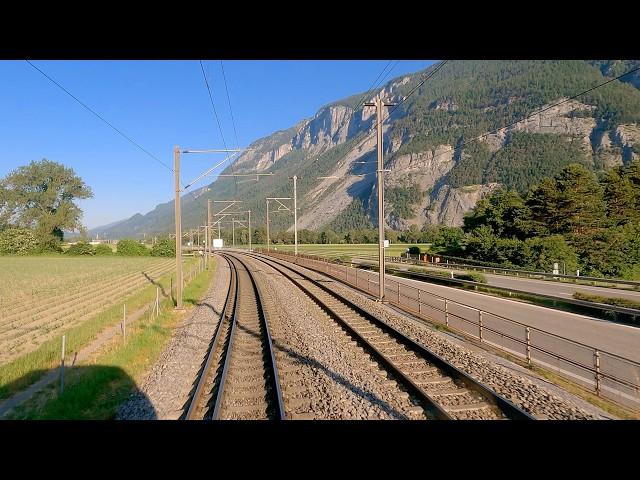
{"x":94,"y":391}
{"x":21,"y":372}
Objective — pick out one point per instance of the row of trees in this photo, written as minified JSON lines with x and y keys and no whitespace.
{"x":585,"y":221}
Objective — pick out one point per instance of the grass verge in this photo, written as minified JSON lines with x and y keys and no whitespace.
{"x":94,"y":392}
{"x":21,"y":372}
{"x":618,"y":301}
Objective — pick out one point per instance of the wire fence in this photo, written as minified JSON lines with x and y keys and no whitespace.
{"x":607,"y":374}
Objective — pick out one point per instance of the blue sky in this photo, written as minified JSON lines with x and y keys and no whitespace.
{"x":158,"y":104}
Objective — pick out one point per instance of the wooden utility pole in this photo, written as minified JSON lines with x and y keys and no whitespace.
{"x":379,"y":104}
{"x":176,"y":170}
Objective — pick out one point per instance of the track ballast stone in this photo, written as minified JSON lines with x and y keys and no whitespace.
{"x":323,"y":373}
{"x":167,"y":388}
{"x":529,"y":395}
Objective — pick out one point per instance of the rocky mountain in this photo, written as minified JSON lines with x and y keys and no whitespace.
{"x":437,"y":170}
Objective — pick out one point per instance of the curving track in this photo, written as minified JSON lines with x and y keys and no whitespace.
{"x":439,"y":388}
{"x":240,"y":378}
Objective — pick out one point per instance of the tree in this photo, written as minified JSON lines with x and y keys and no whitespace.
{"x":164,"y":247}
{"x":503,"y":210}
{"x":41,"y":195}
{"x":17,"y":241}
{"x":132,"y":248}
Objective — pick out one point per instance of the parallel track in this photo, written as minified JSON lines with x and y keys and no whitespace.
{"x":441,"y":389}
{"x":240,"y":378}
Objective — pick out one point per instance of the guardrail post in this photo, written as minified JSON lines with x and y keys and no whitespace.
{"x":597,"y":362}
{"x":480,"y":324}
{"x":528,"y":330}
{"x":446,"y":312}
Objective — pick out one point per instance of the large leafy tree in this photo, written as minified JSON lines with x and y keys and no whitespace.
{"x":42,"y":196}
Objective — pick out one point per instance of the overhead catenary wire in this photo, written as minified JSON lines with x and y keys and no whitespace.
{"x":215,"y":113}
{"x":117,"y":130}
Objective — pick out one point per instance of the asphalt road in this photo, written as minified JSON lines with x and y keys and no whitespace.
{"x":615,"y":338}
{"x":545,"y":287}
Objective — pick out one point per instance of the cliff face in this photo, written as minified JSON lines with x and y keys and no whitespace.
{"x":421,"y":144}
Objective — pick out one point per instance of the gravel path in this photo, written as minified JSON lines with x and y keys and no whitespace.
{"x":323,"y":373}
{"x":167,"y":387}
{"x":530,"y":393}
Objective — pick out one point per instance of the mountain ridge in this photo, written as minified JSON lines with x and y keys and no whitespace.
{"x":422,"y":139}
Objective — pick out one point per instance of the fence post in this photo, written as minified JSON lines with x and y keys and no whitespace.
{"x":419,"y":303}
{"x":446,"y":312}
{"x":480,"y":324}
{"x":124,"y":323}
{"x":528,"y":330}
{"x":157,"y":301}
{"x":597,"y":362}
{"x":64,"y":339}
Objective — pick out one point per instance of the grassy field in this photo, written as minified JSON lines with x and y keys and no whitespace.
{"x":339,"y":249}
{"x":42,"y":296}
{"x":94,"y":390}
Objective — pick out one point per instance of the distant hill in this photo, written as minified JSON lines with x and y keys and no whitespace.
{"x":432,"y":178}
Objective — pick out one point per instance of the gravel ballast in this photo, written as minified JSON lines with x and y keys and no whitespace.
{"x":166,"y":389}
{"x":323,"y":373}
{"x":526,"y":391}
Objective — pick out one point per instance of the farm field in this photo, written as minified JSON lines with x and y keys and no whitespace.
{"x":336,"y":250}
{"x":42,"y":296}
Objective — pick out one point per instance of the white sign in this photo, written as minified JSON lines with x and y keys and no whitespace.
{"x":217,"y":243}
{"x":555,"y":269}
{"x":386,"y":243}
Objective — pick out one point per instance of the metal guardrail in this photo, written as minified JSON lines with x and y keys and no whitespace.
{"x":529,"y":273}
{"x":607,"y":374}
{"x":582,"y":303}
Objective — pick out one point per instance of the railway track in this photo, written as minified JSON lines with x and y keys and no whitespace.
{"x":437,"y":387}
{"x":239,"y":379}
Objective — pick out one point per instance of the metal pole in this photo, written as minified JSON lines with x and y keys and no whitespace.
{"x":295,"y":213}
{"x":380,"y":200}
{"x":528,"y":330}
{"x":209,"y":242}
{"x":267,"y":226}
{"x":233,"y":231}
{"x":249,"y":230}
{"x":176,"y":169}
{"x":480,"y":324}
{"x":597,"y":361}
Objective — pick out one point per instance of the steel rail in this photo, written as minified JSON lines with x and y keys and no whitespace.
{"x":271,"y":365}
{"x":509,"y":409}
{"x":229,"y":304}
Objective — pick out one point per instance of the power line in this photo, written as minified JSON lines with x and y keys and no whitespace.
{"x":215,"y":113}
{"x":233,"y":122}
{"x":427,"y":77}
{"x":100,"y":117}
{"x":373,"y":85}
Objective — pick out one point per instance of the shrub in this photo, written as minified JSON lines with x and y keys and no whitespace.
{"x":414,"y":250}
{"x":132,"y":248}
{"x":81,"y":248}
{"x":18,"y":241}
{"x":472,"y":276}
{"x":165,"y":247}
{"x":103,"y":249}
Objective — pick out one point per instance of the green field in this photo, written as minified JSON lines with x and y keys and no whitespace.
{"x":40,"y":297}
{"x":339,"y":249}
